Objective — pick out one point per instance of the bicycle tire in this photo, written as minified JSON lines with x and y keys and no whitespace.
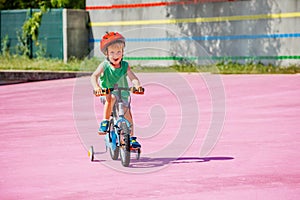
{"x":114,"y":153}
{"x":91,"y":153}
{"x":125,"y":147}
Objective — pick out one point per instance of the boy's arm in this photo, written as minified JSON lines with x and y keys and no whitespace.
{"x":95,"y":77}
{"x":135,"y":81}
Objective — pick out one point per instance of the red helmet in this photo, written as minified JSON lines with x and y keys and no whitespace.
{"x":110,"y":38}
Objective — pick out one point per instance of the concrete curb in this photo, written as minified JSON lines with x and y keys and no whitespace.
{"x":13,"y":77}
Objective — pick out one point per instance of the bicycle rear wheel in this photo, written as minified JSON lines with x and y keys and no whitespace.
{"x":125,"y":145}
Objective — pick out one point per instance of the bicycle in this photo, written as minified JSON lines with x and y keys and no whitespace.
{"x":117,"y":136}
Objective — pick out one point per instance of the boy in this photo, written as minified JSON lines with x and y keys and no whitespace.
{"x":110,"y":72}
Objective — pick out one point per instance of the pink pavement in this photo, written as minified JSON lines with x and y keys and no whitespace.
{"x":203,"y":137}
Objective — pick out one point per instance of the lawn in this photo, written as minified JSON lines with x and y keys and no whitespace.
{"x":13,"y":62}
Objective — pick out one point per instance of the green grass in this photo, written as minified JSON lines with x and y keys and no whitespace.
{"x":225,"y":68}
{"x":13,"y":62}
{"x":256,"y":68}
{"x":24,"y":63}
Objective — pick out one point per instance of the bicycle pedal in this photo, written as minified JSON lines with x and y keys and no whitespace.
{"x":101,"y":133}
{"x":134,"y":149}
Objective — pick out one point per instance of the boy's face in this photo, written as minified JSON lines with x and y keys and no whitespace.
{"x":115,"y":54}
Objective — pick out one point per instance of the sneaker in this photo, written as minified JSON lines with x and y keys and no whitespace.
{"x":103,"y":126}
{"x":134,"y":143}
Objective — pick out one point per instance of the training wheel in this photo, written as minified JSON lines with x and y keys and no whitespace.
{"x":91,"y":153}
{"x":138,"y":154}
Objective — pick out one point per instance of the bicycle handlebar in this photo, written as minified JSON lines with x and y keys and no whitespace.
{"x":106,"y":91}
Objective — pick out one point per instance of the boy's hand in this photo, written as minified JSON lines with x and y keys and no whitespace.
{"x":97,"y":91}
{"x":138,"y":90}
{"x":101,"y":91}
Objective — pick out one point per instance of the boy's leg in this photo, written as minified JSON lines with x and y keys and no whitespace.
{"x":133,"y":140}
{"x":128,"y":116}
{"x":107,"y":109}
{"x":108,"y":106}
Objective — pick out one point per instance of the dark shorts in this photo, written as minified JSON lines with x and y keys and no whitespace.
{"x":125,"y":102}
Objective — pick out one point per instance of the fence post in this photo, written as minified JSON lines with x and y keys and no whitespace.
{"x":65,"y":35}
{"x":30,"y":38}
{"x":0,"y":32}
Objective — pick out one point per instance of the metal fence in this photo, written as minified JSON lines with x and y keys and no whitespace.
{"x":50,"y":31}
{"x":64,"y":33}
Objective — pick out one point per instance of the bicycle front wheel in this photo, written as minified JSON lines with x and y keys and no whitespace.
{"x":114,"y":154}
{"x":113,"y":147}
{"x":125,"y":145}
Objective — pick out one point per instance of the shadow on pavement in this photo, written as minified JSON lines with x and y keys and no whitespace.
{"x":146,"y":162}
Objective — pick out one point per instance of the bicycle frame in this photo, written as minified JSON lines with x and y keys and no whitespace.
{"x":117,"y":115}
{"x":114,"y":136}
{"x":118,"y":134}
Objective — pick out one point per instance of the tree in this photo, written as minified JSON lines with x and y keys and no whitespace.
{"x":30,"y":29}
{"x":25,"y":4}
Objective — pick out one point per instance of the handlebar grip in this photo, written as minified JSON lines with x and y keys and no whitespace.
{"x":140,"y":90}
{"x":104,"y":92}
{"x":96,"y":94}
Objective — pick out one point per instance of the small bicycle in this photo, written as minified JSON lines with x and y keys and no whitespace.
{"x":117,"y":136}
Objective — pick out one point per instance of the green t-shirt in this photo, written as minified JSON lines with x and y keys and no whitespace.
{"x":112,"y":76}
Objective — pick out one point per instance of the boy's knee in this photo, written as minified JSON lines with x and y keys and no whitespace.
{"x":110,"y":99}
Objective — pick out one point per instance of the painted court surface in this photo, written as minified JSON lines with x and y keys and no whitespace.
{"x":203,"y":137}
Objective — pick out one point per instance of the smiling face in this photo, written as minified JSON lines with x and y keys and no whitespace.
{"x":115,"y":53}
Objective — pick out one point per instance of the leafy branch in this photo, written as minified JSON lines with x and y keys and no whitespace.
{"x":30,"y":29}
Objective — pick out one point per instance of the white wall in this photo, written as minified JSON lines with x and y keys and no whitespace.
{"x":168,"y":39}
